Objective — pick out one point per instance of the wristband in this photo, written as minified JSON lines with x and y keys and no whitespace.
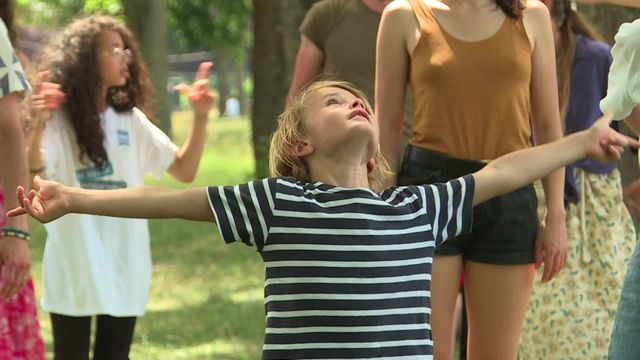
{"x":15,"y":232}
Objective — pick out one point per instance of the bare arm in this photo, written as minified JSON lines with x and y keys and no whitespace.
{"x":14,"y":252}
{"x":308,"y":65}
{"x":519,"y":168}
{"x":50,"y":200}
{"x":551,"y":243}
{"x":544,"y":103}
{"x":13,"y":167}
{"x":45,"y":98}
{"x":185,"y":166}
{"x":392,"y":69}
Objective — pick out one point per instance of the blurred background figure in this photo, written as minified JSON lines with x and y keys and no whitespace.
{"x":572,"y":316}
{"x":100,"y":138}
{"x":19,"y":326}
{"x":477,"y":80}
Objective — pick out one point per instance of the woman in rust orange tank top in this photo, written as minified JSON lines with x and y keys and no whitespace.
{"x":479,"y":70}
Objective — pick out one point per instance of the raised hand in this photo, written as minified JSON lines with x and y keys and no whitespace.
{"x":200,"y":96}
{"x":47,"y":201}
{"x":47,"y":96}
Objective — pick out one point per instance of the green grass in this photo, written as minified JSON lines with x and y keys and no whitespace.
{"x":206,"y":300}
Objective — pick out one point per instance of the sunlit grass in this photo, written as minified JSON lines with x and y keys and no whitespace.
{"x":206,"y":297}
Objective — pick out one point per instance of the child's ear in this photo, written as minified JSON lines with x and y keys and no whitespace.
{"x":302,"y":149}
{"x":370,"y":165}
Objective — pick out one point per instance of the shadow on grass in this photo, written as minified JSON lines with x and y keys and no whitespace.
{"x":205,"y":294}
{"x":217,"y":320}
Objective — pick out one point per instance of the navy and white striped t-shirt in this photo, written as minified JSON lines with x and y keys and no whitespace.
{"x":348,"y":271}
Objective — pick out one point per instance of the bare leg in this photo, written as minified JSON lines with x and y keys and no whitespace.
{"x":497,"y":298}
{"x":445,"y":281}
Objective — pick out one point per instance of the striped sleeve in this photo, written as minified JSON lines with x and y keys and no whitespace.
{"x":244,"y":212}
{"x":449,"y":207}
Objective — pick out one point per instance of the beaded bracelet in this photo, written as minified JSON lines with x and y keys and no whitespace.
{"x":15,"y":232}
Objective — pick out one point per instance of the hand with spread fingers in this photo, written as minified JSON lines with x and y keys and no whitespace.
{"x":47,"y":96}
{"x":45,"y":202}
{"x":200,"y":96}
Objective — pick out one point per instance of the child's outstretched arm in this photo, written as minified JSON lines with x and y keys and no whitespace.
{"x":519,"y":168}
{"x":49,"y":200}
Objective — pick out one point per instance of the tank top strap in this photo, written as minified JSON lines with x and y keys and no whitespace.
{"x":423,"y":13}
{"x":513,"y":30}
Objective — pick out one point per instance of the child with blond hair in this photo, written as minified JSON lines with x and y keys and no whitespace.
{"x":348,"y":263}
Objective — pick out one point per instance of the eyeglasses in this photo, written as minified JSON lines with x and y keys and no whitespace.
{"x":119,"y":53}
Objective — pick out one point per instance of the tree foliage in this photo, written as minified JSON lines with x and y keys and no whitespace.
{"x":211,"y":24}
{"x":57,"y":13}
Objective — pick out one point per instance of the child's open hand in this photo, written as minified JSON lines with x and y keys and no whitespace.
{"x":47,"y":201}
{"x":200,"y":96}
{"x":606,"y":144}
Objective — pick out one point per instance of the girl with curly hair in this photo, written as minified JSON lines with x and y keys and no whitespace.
{"x":100,"y":138}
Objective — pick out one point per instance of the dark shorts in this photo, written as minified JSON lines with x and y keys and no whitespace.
{"x":504,"y":228}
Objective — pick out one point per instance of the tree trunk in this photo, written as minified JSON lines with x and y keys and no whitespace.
{"x":223,"y":68}
{"x":152,"y":36}
{"x":239,"y":66}
{"x":276,"y":41}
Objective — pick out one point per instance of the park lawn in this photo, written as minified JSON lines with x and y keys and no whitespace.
{"x":206,"y":299}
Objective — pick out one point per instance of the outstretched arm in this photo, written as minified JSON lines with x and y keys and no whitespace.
{"x":15,"y":261}
{"x":519,"y":168}
{"x":49,"y":200}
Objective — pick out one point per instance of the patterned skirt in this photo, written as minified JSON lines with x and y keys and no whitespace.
{"x":571,"y":317}
{"x":19,"y":327}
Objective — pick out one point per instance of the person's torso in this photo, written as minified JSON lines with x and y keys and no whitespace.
{"x":96,"y":264}
{"x":347,"y":274}
{"x":471,"y":99}
{"x":350,"y":47}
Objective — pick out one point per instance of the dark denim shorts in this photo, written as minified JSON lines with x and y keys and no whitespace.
{"x":504,"y":228}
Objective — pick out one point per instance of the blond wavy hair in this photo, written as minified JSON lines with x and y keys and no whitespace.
{"x":291,"y":130}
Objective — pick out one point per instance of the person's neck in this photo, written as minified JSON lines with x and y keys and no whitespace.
{"x":376,"y":5}
{"x":339,"y":171}
{"x":102,"y":101}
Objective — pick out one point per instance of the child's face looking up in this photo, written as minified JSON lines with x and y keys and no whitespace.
{"x":337,"y":120}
